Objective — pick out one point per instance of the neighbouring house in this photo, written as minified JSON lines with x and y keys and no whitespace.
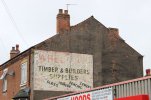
{"x":78,"y":57}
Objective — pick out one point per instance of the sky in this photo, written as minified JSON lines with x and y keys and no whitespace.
{"x":28,"y":22}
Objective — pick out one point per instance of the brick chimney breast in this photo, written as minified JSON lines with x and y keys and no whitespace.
{"x":14,"y":52}
{"x":115,"y":31}
{"x":63,"y":21}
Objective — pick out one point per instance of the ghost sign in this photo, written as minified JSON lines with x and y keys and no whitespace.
{"x":62,"y":71}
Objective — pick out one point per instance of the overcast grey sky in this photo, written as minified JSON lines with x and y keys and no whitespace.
{"x":36,"y":21}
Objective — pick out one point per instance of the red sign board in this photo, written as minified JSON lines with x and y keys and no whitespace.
{"x":139,"y":97}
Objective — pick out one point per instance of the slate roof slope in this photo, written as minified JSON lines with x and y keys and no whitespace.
{"x":51,"y":41}
{"x":64,"y":39}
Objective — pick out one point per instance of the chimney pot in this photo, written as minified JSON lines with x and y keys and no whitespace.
{"x":60,"y":11}
{"x":13,"y":48}
{"x":17,"y":47}
{"x":66,"y":12}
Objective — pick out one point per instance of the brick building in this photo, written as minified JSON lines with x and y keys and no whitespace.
{"x":113,"y":60}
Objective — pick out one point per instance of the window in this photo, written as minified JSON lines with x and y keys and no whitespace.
{"x":23,"y":73}
{"x":3,"y":77}
{"x":4,"y":84}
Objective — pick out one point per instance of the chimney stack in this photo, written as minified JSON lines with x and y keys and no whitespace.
{"x":115,"y":31}
{"x":63,"y":21}
{"x":14,"y":52}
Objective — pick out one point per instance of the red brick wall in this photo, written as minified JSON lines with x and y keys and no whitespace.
{"x":63,"y":21}
{"x":13,"y":82}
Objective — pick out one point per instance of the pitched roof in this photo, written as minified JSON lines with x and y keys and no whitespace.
{"x":87,"y":21}
{"x":90,"y":19}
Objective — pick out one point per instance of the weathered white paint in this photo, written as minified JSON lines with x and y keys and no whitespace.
{"x":62,"y":71}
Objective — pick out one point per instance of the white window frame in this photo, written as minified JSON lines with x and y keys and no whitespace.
{"x":23,"y":74}
{"x":4,"y":85}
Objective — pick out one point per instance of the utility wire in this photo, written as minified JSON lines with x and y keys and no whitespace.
{"x":13,"y":21}
{"x":4,"y":50}
{"x":3,"y":45}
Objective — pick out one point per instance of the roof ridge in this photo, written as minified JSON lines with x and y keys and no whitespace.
{"x":84,"y":21}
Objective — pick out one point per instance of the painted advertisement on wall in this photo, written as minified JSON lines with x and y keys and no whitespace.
{"x":62,"y":71}
{"x":103,"y":94}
